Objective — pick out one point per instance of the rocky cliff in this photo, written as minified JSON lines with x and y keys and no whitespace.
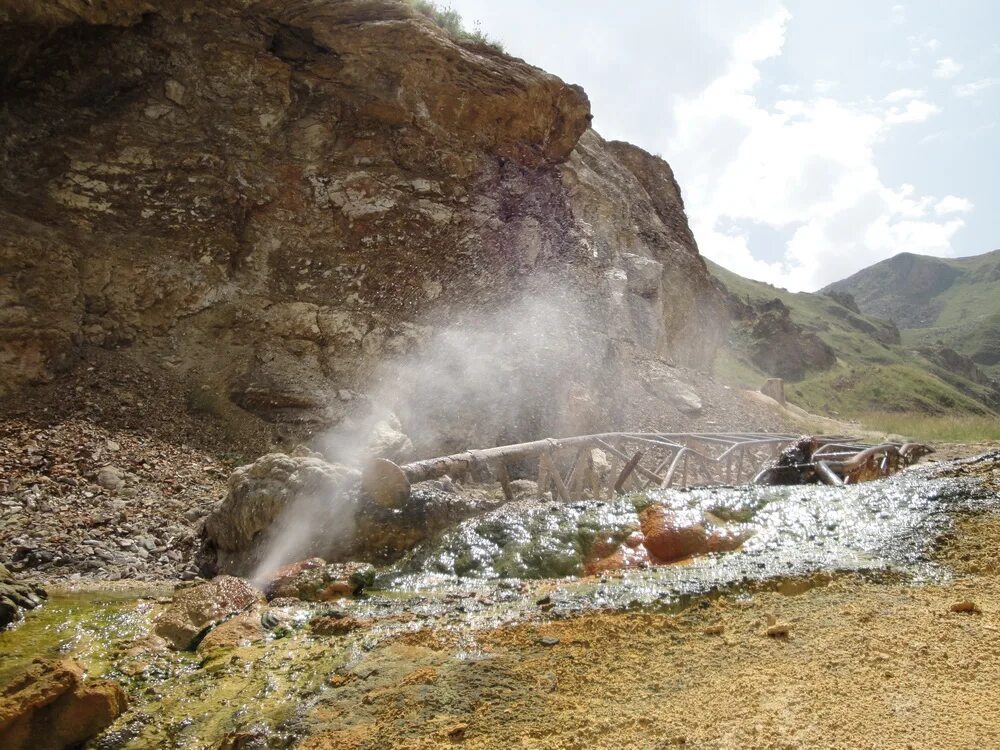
{"x":272,"y":200}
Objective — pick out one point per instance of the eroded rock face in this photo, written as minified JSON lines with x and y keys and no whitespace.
{"x":781,"y":347}
{"x":275,"y":197}
{"x":50,"y":705}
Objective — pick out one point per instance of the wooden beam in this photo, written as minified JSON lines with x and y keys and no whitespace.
{"x":626,"y":472}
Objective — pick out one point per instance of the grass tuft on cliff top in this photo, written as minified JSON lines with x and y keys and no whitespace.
{"x":451,"y":21}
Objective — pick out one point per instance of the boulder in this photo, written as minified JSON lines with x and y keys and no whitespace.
{"x":50,"y":705}
{"x":667,"y":540}
{"x":199,"y":607}
{"x":241,"y":630}
{"x":281,"y":493}
{"x":387,"y":440}
{"x":110,"y":478}
{"x":318,"y":583}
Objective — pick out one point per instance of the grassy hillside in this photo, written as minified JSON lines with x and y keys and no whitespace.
{"x":955,"y":301}
{"x":873,"y":373}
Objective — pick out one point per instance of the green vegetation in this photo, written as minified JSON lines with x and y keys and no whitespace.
{"x":903,"y":387}
{"x":874,"y":372}
{"x":450,"y":20}
{"x":950,"y":301}
{"x":951,"y":428}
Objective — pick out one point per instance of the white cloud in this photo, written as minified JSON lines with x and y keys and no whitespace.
{"x":804,"y":169}
{"x":824,"y":87}
{"x":946,"y":68}
{"x":920,"y":43}
{"x":898,"y":14}
{"x":901,"y":95}
{"x":916,"y":110}
{"x":952,"y":204}
{"x":974,"y":88}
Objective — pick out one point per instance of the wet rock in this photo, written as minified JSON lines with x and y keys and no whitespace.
{"x":196,"y":608}
{"x":50,"y":705}
{"x":606,"y":556}
{"x":668,"y":541}
{"x":324,"y":582}
{"x":337,"y":625}
{"x":287,"y":573}
{"x":16,"y":596}
{"x":241,"y":630}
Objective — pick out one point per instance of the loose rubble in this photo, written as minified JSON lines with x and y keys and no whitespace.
{"x":78,"y":500}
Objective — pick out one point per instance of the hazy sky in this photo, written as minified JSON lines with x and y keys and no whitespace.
{"x":810,"y":138}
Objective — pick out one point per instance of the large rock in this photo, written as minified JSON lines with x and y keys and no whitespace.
{"x":282,"y":509}
{"x":320,"y":583}
{"x":277,"y":236}
{"x":197,"y":608}
{"x":303,"y":498}
{"x":50,"y":706}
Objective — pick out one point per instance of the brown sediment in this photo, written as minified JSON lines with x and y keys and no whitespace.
{"x":859,"y":665}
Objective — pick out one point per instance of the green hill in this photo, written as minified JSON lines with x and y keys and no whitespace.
{"x":873,"y":370}
{"x":935,"y":301}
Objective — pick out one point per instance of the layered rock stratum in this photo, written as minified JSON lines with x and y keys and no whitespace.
{"x":283,"y":205}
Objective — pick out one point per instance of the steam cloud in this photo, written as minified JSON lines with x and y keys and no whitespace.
{"x":516,"y":373}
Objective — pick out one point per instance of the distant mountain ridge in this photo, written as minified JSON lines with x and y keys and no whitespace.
{"x":839,"y":357}
{"x":953,"y":302}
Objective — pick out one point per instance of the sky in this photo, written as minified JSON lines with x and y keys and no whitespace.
{"x":810,"y":139}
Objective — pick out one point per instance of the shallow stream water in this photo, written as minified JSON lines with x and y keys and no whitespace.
{"x":486,"y":572}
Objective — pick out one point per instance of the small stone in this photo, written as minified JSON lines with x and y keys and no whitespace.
{"x":174,"y":91}
{"x":110,"y":477}
{"x":716,"y":629}
{"x":966,"y":606}
{"x":543,"y":600}
{"x":456,"y":731}
{"x":778,"y":630}
{"x":548,"y":640}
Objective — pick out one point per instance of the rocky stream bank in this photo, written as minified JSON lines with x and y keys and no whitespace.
{"x":848,"y":619}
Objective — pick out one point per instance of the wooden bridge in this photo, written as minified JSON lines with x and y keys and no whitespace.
{"x":596,"y":465}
